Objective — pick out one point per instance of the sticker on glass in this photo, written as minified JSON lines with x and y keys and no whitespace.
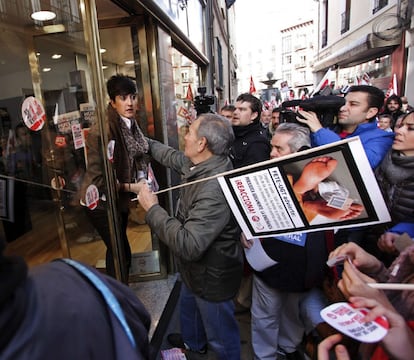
{"x":33,"y":113}
{"x":92,"y":197}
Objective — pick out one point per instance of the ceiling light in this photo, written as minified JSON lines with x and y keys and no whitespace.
{"x":104,"y":67}
{"x":53,"y":29}
{"x":56,"y":56}
{"x":129,"y":62}
{"x":102,"y":50}
{"x":43,"y":15}
{"x":46,"y":69}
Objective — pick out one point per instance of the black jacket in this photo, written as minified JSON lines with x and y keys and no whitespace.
{"x":250,"y":146}
{"x":299,"y":268}
{"x":204,"y":235}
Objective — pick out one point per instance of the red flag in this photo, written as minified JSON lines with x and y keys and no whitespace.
{"x":392,"y":87}
{"x":323,"y":83}
{"x":366,"y":80}
{"x":189,"y":95}
{"x":252,"y":87}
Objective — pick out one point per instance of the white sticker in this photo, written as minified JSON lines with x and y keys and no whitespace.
{"x":77,"y":135}
{"x":110,"y":150}
{"x":33,"y":113}
{"x":57,"y":184}
{"x":337,"y":260}
{"x":348,"y":320}
{"x":92,"y":197}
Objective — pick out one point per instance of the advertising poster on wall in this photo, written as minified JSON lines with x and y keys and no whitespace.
{"x":328,"y":187}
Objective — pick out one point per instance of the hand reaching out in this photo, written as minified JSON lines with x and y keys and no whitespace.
{"x":329,"y":343}
{"x":364,"y":261}
{"x":399,"y":341}
{"x":146,"y":197}
{"x":386,"y":242}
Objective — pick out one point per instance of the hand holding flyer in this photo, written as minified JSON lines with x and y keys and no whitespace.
{"x":348,"y":320}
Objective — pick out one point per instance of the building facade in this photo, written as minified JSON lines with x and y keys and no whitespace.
{"x":297,"y":58}
{"x":364,"y":40}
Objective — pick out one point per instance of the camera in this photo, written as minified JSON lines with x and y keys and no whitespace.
{"x":203,"y":102}
{"x":326,"y":108}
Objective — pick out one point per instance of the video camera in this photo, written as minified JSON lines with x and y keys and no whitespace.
{"x":326,"y":108}
{"x":203,"y":102}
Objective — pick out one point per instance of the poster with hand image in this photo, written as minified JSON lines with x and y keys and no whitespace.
{"x":328,"y":187}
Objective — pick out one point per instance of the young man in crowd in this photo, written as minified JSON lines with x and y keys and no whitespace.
{"x":356,"y":118}
{"x":393,"y":107}
{"x":251,"y":145}
{"x":227,"y":111}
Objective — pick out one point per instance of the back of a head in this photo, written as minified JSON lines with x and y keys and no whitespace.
{"x":218,"y":132}
{"x":300,"y":135}
{"x":120,"y":85}
{"x":376,"y":96}
{"x":255,"y":103}
{"x":229,"y":107}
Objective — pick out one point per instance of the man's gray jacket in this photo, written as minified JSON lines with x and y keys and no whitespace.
{"x":203,"y":235}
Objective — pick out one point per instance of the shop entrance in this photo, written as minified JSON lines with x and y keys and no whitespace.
{"x":41,"y":169}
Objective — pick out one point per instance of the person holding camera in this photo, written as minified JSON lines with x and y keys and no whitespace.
{"x":356,"y":118}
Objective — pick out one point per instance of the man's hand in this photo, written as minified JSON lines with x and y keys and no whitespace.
{"x":310,"y":119}
{"x":247,"y":244}
{"x":146,"y":197}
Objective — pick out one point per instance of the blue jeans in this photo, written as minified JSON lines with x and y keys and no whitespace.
{"x":209,"y":322}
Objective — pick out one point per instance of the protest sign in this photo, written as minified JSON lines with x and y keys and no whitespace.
{"x":331,"y":186}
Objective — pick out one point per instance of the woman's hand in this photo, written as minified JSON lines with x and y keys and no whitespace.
{"x":364,"y":261}
{"x":329,"y":343}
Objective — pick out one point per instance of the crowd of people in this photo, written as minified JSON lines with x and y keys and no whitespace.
{"x":285,"y":299}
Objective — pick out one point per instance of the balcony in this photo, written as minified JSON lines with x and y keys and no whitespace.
{"x":300,"y":65}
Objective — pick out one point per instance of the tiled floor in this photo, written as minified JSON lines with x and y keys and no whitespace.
{"x":155,"y":295}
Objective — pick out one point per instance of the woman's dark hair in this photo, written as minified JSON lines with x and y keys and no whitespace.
{"x":120,"y":85}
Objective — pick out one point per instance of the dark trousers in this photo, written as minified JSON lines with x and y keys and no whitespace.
{"x":99,"y":219}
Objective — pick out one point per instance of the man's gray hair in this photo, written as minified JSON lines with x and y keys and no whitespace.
{"x":300,"y":135}
{"x":218,"y":132}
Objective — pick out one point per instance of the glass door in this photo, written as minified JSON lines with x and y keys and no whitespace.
{"x":56,"y":96}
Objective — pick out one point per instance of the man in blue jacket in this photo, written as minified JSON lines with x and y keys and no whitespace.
{"x":356,"y":118}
